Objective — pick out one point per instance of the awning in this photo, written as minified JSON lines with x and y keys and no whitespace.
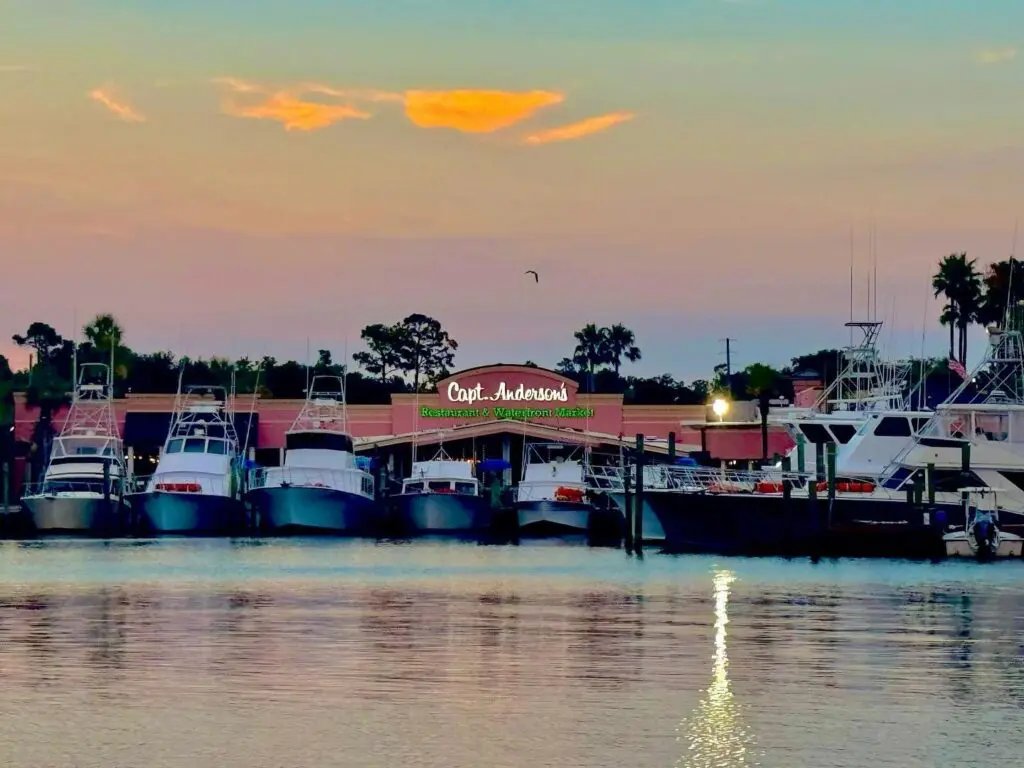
{"x":148,"y":429}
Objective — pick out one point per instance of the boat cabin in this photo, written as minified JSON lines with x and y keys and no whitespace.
{"x":442,"y":476}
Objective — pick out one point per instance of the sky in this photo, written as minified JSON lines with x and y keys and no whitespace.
{"x":234,"y":178}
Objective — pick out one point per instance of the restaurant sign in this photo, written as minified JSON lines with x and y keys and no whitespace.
{"x":506,"y":413}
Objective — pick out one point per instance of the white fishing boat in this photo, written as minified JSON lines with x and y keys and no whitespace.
{"x":195,"y":487}
{"x":442,"y":495}
{"x":321,"y":487}
{"x":553,"y":492}
{"x":981,"y":537}
{"x":83,"y":487}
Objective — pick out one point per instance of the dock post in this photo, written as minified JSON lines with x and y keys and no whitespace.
{"x":5,"y":484}
{"x":830,"y":457}
{"x":671,"y":447}
{"x":965,"y":457}
{"x":801,"y":455}
{"x":627,"y":505}
{"x":929,"y":476}
{"x":918,"y":489}
{"x":638,"y":515}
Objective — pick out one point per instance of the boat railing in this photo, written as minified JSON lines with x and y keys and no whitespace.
{"x":185,"y":482}
{"x":301,"y":477}
{"x":611,"y":479}
{"x":550,"y":491}
{"x":67,"y":487}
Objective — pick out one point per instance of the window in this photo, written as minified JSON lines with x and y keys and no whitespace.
{"x":217,"y":446}
{"x":468,"y":489}
{"x":440,"y":485}
{"x":195,"y":445}
{"x":318,"y":441}
{"x":816,"y":433}
{"x":843,"y":432}
{"x":893,"y":426}
{"x":414,"y":488}
{"x":175,"y":446}
{"x":1017,"y":478}
{"x":919,"y":422}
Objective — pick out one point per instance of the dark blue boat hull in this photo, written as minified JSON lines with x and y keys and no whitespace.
{"x":441,"y":513}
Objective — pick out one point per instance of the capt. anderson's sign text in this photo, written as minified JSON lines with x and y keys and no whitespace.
{"x":512,"y":399}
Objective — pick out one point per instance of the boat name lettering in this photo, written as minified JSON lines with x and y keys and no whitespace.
{"x":506,"y":413}
{"x":506,"y":394}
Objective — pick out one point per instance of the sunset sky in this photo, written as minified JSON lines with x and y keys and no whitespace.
{"x":231,"y":177}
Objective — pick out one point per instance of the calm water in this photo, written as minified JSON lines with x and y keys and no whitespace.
{"x":288,"y":654}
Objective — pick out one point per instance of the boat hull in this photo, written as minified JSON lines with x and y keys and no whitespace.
{"x":188,"y":513}
{"x":753,"y":524}
{"x":652,"y":529}
{"x":442,"y":513}
{"x":960,"y":546}
{"x":547,"y":515}
{"x":69,"y":514}
{"x":316,"y":510}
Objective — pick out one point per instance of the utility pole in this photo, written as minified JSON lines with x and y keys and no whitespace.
{"x":728,"y":363}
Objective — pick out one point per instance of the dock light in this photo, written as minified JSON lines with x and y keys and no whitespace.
{"x":720,"y":407}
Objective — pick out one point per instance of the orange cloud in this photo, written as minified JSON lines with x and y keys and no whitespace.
{"x":475,"y":111}
{"x":579,"y":129}
{"x":121,"y":109}
{"x":288,"y":107}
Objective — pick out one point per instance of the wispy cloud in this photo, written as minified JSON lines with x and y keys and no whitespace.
{"x":995,"y":55}
{"x":15,"y":68}
{"x":121,"y":109}
{"x":288,"y":106}
{"x":475,"y":111}
{"x":579,"y":129}
{"x":312,"y":106}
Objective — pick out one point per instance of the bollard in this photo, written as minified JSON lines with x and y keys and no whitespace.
{"x":638,"y":515}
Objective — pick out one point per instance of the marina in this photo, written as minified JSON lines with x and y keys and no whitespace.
{"x":864,"y":470}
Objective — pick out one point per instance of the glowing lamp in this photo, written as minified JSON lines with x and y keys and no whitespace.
{"x":720,"y":407}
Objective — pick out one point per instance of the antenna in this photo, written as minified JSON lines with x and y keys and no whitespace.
{"x":252,"y":409}
{"x":1009,"y":286}
{"x":874,"y":256}
{"x":74,"y":348}
{"x":344,"y":383}
{"x":923,"y":394}
{"x":307,"y":365}
{"x":851,"y":283}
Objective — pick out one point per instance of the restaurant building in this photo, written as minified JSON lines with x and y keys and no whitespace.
{"x":478,"y":413}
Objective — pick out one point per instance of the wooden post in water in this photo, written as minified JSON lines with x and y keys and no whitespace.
{"x":787,"y":482}
{"x":638,"y":515}
{"x":627,"y":504}
{"x":930,"y":482}
{"x":830,"y":458}
{"x":5,"y":480}
{"x":965,"y":457}
{"x":671,"y":447}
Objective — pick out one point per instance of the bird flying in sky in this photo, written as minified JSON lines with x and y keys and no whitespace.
{"x":536,"y":277}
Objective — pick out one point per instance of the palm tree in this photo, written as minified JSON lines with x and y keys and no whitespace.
{"x":47,"y":392}
{"x":591,"y":349}
{"x":762,"y":382}
{"x":959,"y":281}
{"x":620,"y":343}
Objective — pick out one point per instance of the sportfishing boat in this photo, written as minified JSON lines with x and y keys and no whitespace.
{"x":442,"y":495}
{"x":82,"y":490}
{"x":980,"y":537}
{"x":974,"y":439}
{"x":552,"y":496}
{"x":321,"y":487}
{"x":195,"y":487}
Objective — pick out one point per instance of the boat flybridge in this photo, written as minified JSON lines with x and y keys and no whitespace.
{"x":195,"y":487}
{"x":864,"y":388}
{"x":322,"y":486}
{"x":442,"y":495}
{"x":83,"y":486}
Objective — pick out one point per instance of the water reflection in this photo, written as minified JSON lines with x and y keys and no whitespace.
{"x":716,"y":733}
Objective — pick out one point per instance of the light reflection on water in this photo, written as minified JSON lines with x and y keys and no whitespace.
{"x":301,"y":653}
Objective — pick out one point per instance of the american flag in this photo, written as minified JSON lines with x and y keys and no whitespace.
{"x":957,"y":368}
